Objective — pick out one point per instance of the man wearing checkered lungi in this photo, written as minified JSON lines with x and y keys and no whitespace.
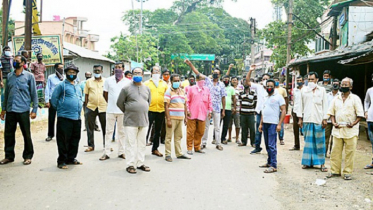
{"x":314,"y":105}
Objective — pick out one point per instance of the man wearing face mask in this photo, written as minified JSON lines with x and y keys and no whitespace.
{"x":283,"y":93}
{"x":218,"y":94}
{"x":6,"y":65}
{"x":346,"y":110}
{"x":368,"y":107}
{"x":238,"y":89}
{"x":296,"y":106}
{"x":67,"y":100}
{"x":134,"y":100}
{"x":38,"y":69}
{"x":20,"y":92}
{"x":230,"y":108}
{"x":199,"y":107}
{"x":328,"y":129}
{"x":53,"y":81}
{"x":128,"y":75}
{"x":191,"y":82}
{"x":261,"y":94}
{"x":114,"y":116}
{"x":248,"y":100}
{"x":166,"y":77}
{"x":313,"y":106}
{"x":95,"y":106}
{"x":326,"y":83}
{"x":156,"y":114}
{"x":88,"y":75}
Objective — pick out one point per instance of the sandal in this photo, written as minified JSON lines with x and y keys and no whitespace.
{"x":270,"y":170}
{"x":27,"y":162}
{"x":144,"y":168}
{"x":264,"y":166}
{"x":131,"y":170}
{"x":347,"y":177}
{"x":323,"y":169}
{"x":370,"y":166}
{"x":74,"y":162}
{"x":332,"y":175}
{"x":62,"y":166}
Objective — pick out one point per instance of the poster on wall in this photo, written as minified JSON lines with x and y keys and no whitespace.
{"x":49,"y":45}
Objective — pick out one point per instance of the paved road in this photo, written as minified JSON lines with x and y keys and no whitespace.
{"x":228,"y":179}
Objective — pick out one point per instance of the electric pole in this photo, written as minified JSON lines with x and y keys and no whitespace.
{"x":6,"y":9}
{"x":28,"y":27}
{"x":290,"y":25}
{"x":252,"y":42}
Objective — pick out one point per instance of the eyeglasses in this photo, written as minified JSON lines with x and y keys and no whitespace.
{"x":136,"y":73}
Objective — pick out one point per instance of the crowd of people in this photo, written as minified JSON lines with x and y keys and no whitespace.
{"x":137,"y":113}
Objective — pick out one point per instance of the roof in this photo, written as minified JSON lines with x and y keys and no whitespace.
{"x":338,"y":5}
{"x":340,"y":53}
{"x":85,"y":53}
{"x":361,"y":59}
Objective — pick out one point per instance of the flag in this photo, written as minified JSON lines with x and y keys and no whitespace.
{"x":35,"y":19}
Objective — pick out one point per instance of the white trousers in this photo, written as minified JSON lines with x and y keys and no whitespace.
{"x":216,"y":121}
{"x":135,"y":145}
{"x":111,"y":118}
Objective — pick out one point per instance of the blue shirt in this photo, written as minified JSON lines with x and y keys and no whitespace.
{"x":217,"y":93}
{"x":20,"y":91}
{"x":52,"y":82}
{"x":82,"y":86}
{"x":271,"y":109}
{"x":67,"y":100}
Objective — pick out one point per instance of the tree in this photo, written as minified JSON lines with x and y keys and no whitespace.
{"x":275,"y":33}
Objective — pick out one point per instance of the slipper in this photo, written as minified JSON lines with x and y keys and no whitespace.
{"x":131,"y":170}
{"x":62,"y":166}
{"x":347,"y":177}
{"x":27,"y":162}
{"x":370,"y":166}
{"x":332,"y":175}
{"x":270,"y":170}
{"x":264,"y":166}
{"x":74,"y":162}
{"x":144,"y":168}
{"x":324,"y":169}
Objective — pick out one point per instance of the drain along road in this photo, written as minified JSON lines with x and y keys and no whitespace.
{"x":228,"y":179}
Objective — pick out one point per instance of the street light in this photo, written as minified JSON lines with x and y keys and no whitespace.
{"x":141,"y":15}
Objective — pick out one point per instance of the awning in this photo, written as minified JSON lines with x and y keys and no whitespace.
{"x":342,"y":3}
{"x":358,"y":60}
{"x":337,"y":7}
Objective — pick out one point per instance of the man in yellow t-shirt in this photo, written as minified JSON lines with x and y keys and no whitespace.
{"x":283,"y":93}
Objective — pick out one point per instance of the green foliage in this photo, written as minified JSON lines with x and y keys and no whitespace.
{"x":275,"y":33}
{"x":10,"y":27}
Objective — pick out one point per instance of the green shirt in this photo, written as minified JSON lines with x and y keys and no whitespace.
{"x":228,"y":99}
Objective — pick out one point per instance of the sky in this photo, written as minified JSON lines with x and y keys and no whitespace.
{"x":104,"y":17}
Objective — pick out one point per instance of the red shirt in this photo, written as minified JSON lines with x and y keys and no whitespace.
{"x":199,"y":102}
{"x":38,"y":70}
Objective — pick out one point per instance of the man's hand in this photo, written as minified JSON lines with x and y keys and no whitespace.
{"x":231,"y":65}
{"x":222,"y":114}
{"x":210,"y":116}
{"x":2,"y":116}
{"x":260,"y":128}
{"x":324,"y":123}
{"x":252,"y":68}
{"x":233,"y":111}
{"x":47,"y":105}
{"x":185,"y":121}
{"x":366,"y":115}
{"x":187,"y":61}
{"x":188,"y":114}
{"x":350,"y":125}
{"x":278,"y":128}
{"x":300,"y":122}
{"x":1,"y":84}
{"x":169,"y":123}
{"x":33,"y":115}
{"x":336,"y":125}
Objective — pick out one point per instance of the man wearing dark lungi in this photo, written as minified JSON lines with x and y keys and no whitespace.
{"x":313,"y":105}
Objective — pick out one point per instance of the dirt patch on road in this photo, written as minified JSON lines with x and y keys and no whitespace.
{"x":297,"y":188}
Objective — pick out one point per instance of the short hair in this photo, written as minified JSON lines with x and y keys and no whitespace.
{"x":271,"y":80}
{"x":327,"y":72}
{"x":98,"y":65}
{"x":276,"y":78}
{"x":23,"y":51}
{"x":119,"y":63}
{"x":56,"y":65}
{"x":336,"y":80}
{"x":300,"y":77}
{"x":220,"y":71}
{"x":349,"y":80}
{"x":225,"y":76}
{"x":165,"y":70}
{"x":266,"y":74}
{"x":6,"y":48}
{"x":151,"y":70}
{"x":23,"y":59}
{"x":192,"y":76}
{"x":313,"y":73}
{"x":173,"y":76}
{"x":126,"y":73}
{"x":142,"y":70}
{"x":234,"y":77}
{"x":39,"y":54}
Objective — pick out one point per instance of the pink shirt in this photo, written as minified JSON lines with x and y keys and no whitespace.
{"x":199,"y":103}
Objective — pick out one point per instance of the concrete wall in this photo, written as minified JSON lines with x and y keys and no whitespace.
{"x":86,"y":64}
{"x":360,"y":24}
{"x":42,"y":114}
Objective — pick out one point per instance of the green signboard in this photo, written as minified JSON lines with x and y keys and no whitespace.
{"x":195,"y":57}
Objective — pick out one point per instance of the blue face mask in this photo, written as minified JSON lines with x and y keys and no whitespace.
{"x":327,"y":80}
{"x":137,"y":78}
{"x":277,"y":84}
{"x":299,"y":83}
{"x":97,"y":75}
{"x":175,"y":85}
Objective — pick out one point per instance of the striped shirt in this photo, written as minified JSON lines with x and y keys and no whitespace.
{"x":175,"y":100}
{"x":248,"y":102}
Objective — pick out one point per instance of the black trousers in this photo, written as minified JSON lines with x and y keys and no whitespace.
{"x":51,"y":121}
{"x":226,"y":121}
{"x":91,"y":119}
{"x":296,"y":131}
{"x":158,"y":119}
{"x":247,"y":123}
{"x":11,"y":120}
{"x":68,"y":137}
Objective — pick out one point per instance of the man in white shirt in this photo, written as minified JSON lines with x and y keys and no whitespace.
{"x":369,"y":117}
{"x":261,"y":94}
{"x":114,"y":116}
{"x":314,"y":106}
{"x":296,"y":105}
{"x":328,"y":130}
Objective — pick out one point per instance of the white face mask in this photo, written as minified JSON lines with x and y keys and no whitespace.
{"x":265,"y":83}
{"x":156,"y":78}
{"x":8,"y":53}
{"x":312,"y":85}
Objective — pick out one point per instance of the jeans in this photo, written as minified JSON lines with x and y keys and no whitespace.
{"x":226,"y":121}
{"x":248,"y":122}
{"x":370,"y":133}
{"x":91,"y":119}
{"x":270,"y":134}
{"x":11,"y":120}
{"x":281,"y":133}
{"x":258,"y":135}
{"x":68,"y":138}
{"x":158,"y":119}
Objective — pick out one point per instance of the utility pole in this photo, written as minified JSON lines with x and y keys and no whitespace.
{"x":252,"y":27}
{"x":28,"y":27}
{"x":6,"y":10}
{"x":290,"y":25}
